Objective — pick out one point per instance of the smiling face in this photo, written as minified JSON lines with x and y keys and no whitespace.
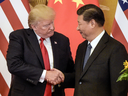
{"x":90,"y":21}
{"x":44,"y":28}
{"x":83,"y":27}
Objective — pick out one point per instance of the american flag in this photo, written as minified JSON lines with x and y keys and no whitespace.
{"x":13,"y":16}
{"x":120,"y":25}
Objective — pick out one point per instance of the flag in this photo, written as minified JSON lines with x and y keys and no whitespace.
{"x":13,"y":16}
{"x":120,"y":24}
{"x":66,"y":21}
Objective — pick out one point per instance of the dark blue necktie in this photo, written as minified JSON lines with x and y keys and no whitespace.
{"x":87,"y":54}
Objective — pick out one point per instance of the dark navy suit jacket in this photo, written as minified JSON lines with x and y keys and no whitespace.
{"x":102,"y":69}
{"x":25,"y":63}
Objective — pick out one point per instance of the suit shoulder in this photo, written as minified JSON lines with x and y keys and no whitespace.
{"x":19,"y":31}
{"x":115,"y":42}
{"x":116,"y":45}
{"x":60,"y":35}
{"x":83,"y":43}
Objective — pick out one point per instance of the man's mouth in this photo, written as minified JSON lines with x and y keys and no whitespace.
{"x":80,"y":32}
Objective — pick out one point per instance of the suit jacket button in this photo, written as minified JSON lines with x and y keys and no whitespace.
{"x":80,"y":83}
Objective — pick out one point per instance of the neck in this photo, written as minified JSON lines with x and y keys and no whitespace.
{"x":95,"y":33}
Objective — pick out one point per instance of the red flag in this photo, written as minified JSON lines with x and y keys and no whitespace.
{"x":120,"y":25}
{"x":66,"y":21}
{"x":13,"y":16}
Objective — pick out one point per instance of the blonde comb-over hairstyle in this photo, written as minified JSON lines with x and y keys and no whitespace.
{"x":40,"y":12}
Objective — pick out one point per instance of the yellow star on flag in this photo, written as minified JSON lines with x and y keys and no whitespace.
{"x":78,"y":2}
{"x":58,"y":1}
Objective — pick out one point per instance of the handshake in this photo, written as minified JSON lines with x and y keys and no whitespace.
{"x":54,"y":76}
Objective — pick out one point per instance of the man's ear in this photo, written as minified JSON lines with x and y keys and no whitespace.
{"x":33,"y":26}
{"x":92,"y":23}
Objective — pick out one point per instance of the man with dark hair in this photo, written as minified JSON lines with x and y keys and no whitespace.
{"x":99,"y":59}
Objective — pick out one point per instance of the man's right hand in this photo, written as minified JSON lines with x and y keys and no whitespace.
{"x":54,"y":76}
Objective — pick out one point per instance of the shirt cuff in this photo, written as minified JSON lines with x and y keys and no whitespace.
{"x":42,"y":78}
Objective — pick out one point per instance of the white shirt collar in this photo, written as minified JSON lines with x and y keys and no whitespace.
{"x":96,"y":40}
{"x":46,"y":39}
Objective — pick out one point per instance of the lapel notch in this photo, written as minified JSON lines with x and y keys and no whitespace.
{"x":100,"y":46}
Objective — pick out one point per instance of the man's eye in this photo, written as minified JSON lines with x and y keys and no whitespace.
{"x":46,"y":25}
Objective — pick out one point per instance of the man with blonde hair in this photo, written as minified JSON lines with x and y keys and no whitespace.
{"x":35,"y":73}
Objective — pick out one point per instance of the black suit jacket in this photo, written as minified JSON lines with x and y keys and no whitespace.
{"x":25,"y":62}
{"x":102,"y":69}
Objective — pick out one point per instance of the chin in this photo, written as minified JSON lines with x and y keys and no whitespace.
{"x":51,"y":34}
{"x":84,"y":37}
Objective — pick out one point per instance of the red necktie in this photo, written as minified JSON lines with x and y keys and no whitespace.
{"x":47,"y":66}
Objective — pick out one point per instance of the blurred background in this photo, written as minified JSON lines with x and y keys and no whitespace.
{"x":108,"y":7}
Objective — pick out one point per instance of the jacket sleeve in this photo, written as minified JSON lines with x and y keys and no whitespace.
{"x":118,"y":56}
{"x":15,"y":59}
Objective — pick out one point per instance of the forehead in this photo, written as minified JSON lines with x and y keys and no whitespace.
{"x":80,"y":18}
{"x":45,"y":21}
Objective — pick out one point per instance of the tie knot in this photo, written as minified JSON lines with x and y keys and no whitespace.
{"x":42,"y":39}
{"x":89,"y":46}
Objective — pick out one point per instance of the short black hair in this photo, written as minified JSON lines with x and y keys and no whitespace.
{"x":90,"y":12}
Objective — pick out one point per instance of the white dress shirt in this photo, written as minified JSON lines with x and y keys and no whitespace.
{"x":47,"y":44}
{"x":96,"y":41}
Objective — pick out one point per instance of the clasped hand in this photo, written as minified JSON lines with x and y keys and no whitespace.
{"x":54,"y":76}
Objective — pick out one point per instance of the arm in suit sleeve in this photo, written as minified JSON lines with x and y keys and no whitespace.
{"x":69,"y":81}
{"x":17,"y":65}
{"x":118,"y":56}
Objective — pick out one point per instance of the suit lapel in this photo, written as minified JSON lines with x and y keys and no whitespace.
{"x":35,"y":44}
{"x":100,"y":46}
{"x":55,"y":51}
